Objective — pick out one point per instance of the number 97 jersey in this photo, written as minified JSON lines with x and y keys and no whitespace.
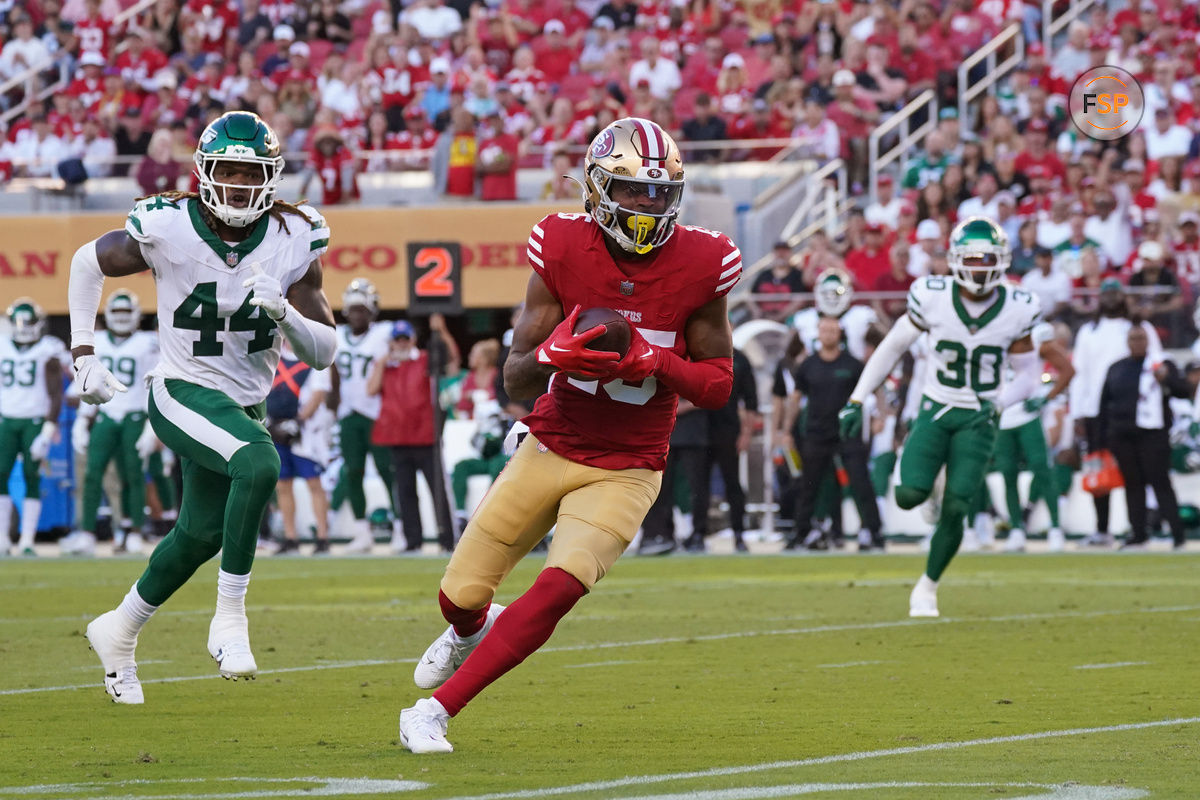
{"x":209,"y":333}
{"x":969,"y":341}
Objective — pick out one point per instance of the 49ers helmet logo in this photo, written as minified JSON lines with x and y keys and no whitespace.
{"x":604,"y":144}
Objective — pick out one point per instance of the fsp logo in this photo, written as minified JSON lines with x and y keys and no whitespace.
{"x":1106,"y":103}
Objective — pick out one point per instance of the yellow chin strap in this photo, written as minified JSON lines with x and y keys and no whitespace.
{"x":641,"y":227}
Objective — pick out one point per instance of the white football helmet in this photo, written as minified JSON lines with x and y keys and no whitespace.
{"x":979,"y":254}
{"x":361,"y":292}
{"x":633,"y":154}
{"x":834,"y":291}
{"x":26,"y":319}
{"x":122,"y":312}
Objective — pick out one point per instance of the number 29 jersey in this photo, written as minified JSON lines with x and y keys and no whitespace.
{"x":613,"y":424}
{"x":208,"y":332}
{"x":968,"y":342}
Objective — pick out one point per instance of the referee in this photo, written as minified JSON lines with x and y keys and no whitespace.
{"x":826,"y":379}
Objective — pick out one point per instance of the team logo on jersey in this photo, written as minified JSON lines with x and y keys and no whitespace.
{"x":605,"y":143}
{"x":231,"y":258}
{"x":627,"y":288}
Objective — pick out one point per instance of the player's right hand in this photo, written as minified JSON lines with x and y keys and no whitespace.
{"x":850,"y":420}
{"x":568,"y":351}
{"x":96,"y":383}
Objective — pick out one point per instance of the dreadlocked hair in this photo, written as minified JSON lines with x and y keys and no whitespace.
{"x":278,"y":210}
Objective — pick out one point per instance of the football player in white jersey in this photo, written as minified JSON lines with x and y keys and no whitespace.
{"x":360,"y":342}
{"x":976,"y":323}
{"x":235,"y":269}
{"x":834,"y":294}
{"x":30,"y":398}
{"x":121,"y":431}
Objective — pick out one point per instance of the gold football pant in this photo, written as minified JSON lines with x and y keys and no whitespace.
{"x":597,"y":513}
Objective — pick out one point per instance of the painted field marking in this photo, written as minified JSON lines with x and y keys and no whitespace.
{"x":933,"y":747}
{"x":848,"y":664}
{"x":712,"y":637}
{"x":1113,"y":665}
{"x":602,"y":664}
{"x":324,"y":787}
{"x":1047,"y":791}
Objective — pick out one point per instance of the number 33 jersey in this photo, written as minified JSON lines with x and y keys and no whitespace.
{"x":613,"y":424}
{"x":209,"y":334}
{"x":968,"y":341}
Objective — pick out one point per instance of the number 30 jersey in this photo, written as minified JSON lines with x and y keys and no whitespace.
{"x":968,"y":341}
{"x":613,"y":424}
{"x":209,"y":334}
{"x":130,"y":359}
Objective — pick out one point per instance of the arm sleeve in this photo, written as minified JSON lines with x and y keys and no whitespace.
{"x":314,"y":342}
{"x":1024,"y":381}
{"x":84,"y":291}
{"x":890,"y":350}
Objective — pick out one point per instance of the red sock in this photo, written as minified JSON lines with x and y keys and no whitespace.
{"x":466,"y":621}
{"x":520,"y":630}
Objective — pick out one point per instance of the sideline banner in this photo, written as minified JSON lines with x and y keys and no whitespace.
{"x":372,"y":243}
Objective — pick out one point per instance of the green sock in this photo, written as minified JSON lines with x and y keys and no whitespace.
{"x":172,"y":563}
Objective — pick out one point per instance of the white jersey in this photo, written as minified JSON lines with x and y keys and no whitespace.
{"x":316,"y":432}
{"x":23,"y":392}
{"x":208,"y":333}
{"x":969,"y":341}
{"x":130,"y":359}
{"x":355,"y":357}
{"x":1098,"y":345}
{"x":855,"y":322}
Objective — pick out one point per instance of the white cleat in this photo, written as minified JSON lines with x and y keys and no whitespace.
{"x":229,"y":645}
{"x":423,"y":727}
{"x":361,"y":538}
{"x":116,"y":656}
{"x":923,"y":600}
{"x":1015,"y":543}
{"x":1056,"y":540}
{"x":79,"y":543}
{"x":985,"y":530}
{"x":448,"y":652}
{"x":135,"y":544}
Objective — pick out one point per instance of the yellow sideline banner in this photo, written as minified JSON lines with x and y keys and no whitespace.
{"x":372,"y":243}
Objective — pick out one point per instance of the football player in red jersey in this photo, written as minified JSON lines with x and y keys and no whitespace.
{"x":591,"y":462}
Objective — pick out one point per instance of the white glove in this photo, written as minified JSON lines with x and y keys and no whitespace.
{"x":96,"y":384}
{"x":268,"y":292}
{"x":40,"y":446}
{"x":81,"y":434}
{"x":147,"y":443}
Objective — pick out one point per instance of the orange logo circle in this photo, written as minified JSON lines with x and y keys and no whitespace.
{"x":1106,"y":103}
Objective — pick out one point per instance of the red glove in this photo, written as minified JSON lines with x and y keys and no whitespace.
{"x":568,"y":351}
{"x":641,"y":360}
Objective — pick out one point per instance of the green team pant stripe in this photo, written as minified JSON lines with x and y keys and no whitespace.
{"x":15,"y":437}
{"x":194,"y":424}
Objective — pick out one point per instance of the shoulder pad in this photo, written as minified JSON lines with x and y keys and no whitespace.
{"x":731,"y":264}
{"x":150,"y":217}
{"x":318,"y":234}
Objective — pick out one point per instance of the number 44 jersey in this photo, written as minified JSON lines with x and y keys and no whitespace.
{"x":613,"y":424}
{"x":209,"y":333}
{"x":968,"y":341}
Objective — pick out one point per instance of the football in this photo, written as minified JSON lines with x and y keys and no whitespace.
{"x":616,"y":336}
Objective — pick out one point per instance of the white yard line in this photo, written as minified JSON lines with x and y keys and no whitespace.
{"x":712,"y":637}
{"x":601,"y":664}
{"x":934,"y":747}
{"x":848,"y":664}
{"x":1113,"y":665}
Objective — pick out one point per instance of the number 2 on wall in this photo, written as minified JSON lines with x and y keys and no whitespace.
{"x":436,"y":281}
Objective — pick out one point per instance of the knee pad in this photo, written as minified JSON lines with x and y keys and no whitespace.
{"x":955,"y":507}
{"x":907,"y":497}
{"x":257,"y":463}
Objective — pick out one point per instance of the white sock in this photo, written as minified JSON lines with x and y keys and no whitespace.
{"x":927,"y":584}
{"x":6,"y":507}
{"x":134,"y":612}
{"x":31,"y":509}
{"x":436,"y":706}
{"x":231,"y":593}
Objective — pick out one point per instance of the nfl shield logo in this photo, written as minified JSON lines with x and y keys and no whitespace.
{"x":231,"y":258}
{"x":626,"y":288}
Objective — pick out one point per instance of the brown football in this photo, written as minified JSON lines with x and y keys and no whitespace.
{"x":615,"y":338}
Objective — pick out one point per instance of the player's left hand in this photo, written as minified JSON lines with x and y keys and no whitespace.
{"x":268,"y":292}
{"x":147,"y":443}
{"x":39,"y":448}
{"x":989,"y":411}
{"x":641,"y":360}
{"x":850,"y":420}
{"x":1033,"y":404}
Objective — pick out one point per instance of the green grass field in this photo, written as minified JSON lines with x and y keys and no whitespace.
{"x":1070,"y":677}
